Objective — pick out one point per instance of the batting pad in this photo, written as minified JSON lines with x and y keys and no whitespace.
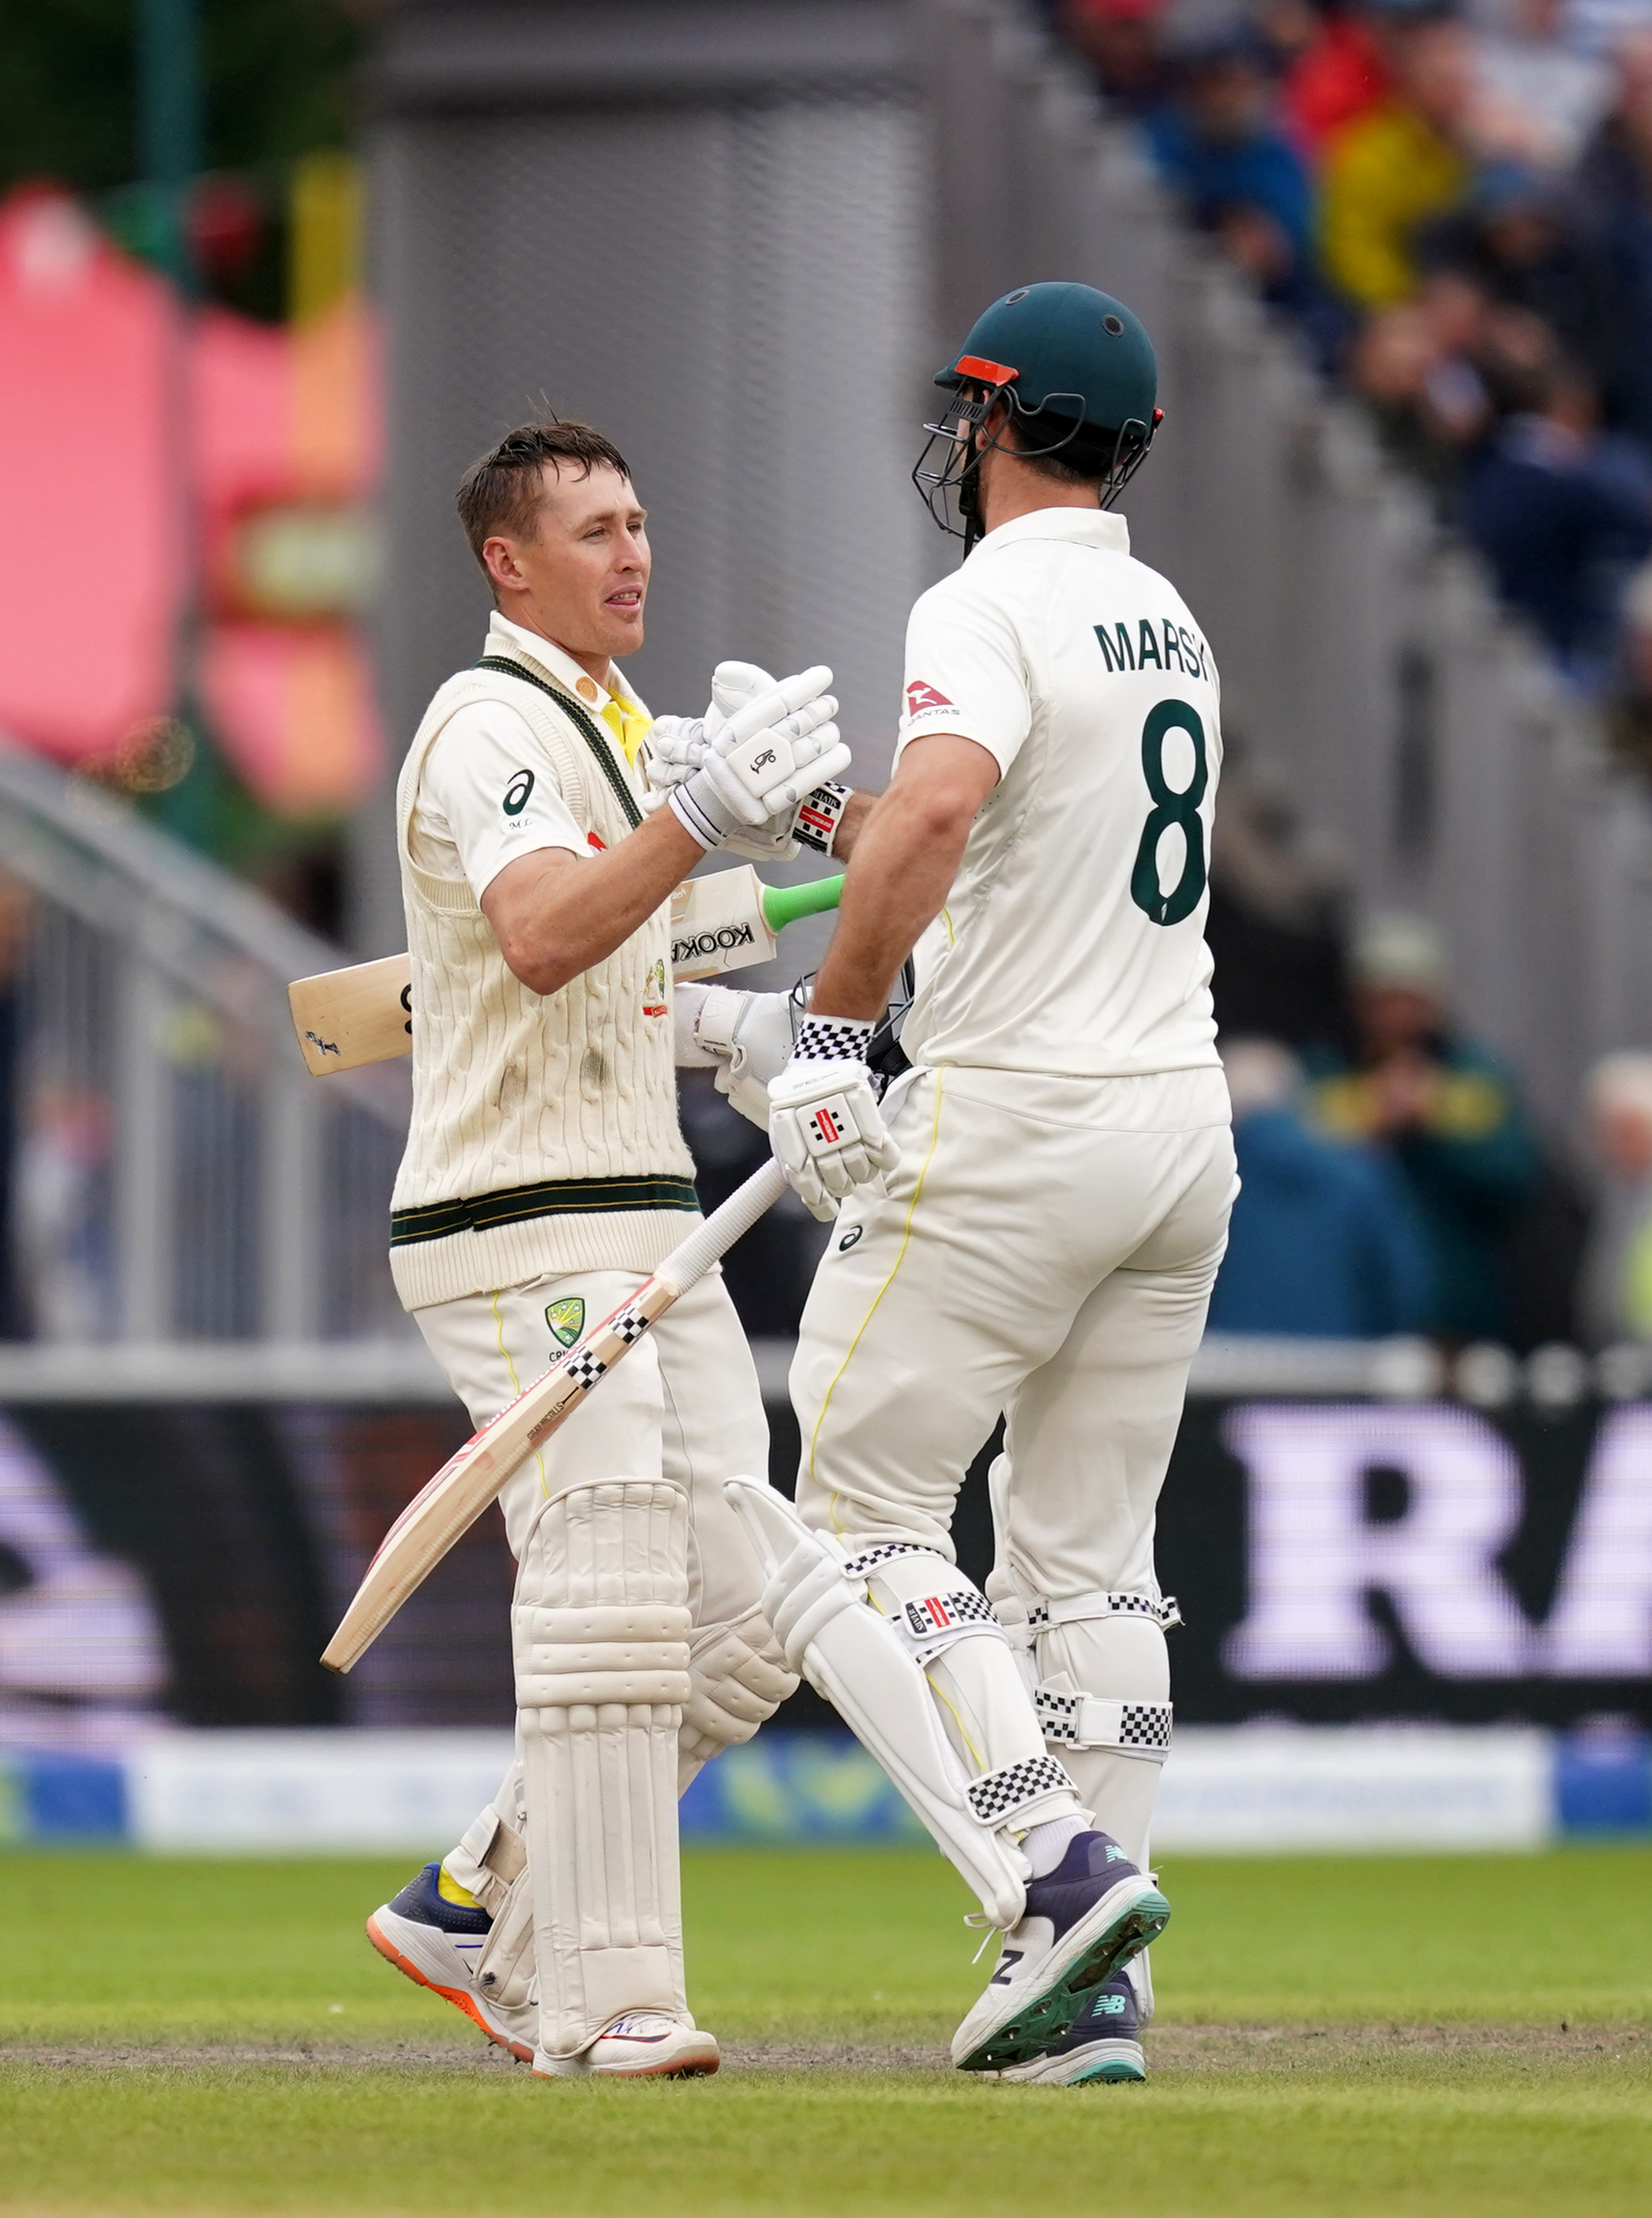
{"x":854,"y":1654}
{"x":600,"y":1633}
{"x":737,"y":1679}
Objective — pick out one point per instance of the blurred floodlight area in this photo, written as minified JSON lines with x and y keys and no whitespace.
{"x":274,"y":272}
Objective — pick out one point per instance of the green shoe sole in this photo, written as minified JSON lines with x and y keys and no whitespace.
{"x":1036,"y":2029}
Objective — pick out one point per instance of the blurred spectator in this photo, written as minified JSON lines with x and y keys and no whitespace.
{"x":1324,"y":1240}
{"x":1562,"y":518}
{"x":1398,"y":163}
{"x":1124,"y":42}
{"x":1628,"y":710}
{"x":1241,"y":178}
{"x":1418,"y":368}
{"x":1518,"y":243}
{"x":1616,"y":1296}
{"x":1541,"y":96}
{"x":1447,"y":1111}
{"x":1335,"y":68}
{"x":1278,"y":894}
{"x":1615,"y":181}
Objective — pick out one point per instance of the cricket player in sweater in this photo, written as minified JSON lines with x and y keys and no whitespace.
{"x":545,"y":1176}
{"x":1031,"y":1222}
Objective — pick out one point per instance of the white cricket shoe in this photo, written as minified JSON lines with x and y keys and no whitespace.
{"x":439,"y":1944}
{"x":638,"y":2045}
{"x":1103,"y":2042}
{"x":1083,"y":1923}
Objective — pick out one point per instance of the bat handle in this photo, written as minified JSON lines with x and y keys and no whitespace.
{"x":709,"y":1242}
{"x":784,"y":905}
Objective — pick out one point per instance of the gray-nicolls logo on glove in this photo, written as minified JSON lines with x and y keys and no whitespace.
{"x":824,"y":1123}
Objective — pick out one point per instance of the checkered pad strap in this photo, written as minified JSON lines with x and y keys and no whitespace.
{"x":1041,"y":1615}
{"x":1079,"y":1720}
{"x":869,"y":1558}
{"x":1001,"y":1796}
{"x":832,"y":1039}
{"x":930,"y":1624}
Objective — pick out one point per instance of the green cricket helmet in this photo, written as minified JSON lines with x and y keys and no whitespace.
{"x":1074,"y":373}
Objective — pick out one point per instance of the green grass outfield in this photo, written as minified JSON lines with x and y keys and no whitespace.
{"x":1426,"y":2037}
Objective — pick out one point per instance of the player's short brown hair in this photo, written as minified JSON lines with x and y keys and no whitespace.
{"x":502,"y":490}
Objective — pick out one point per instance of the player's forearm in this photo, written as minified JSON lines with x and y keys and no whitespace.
{"x":556,"y":914}
{"x":856,"y":809}
{"x":905,"y":859}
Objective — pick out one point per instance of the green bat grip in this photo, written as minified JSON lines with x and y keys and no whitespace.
{"x":784,"y":905}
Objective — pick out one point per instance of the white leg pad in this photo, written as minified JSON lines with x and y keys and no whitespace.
{"x":600,"y":1631}
{"x":1099,"y":1669}
{"x":488,"y":1857}
{"x":865,"y":1667}
{"x":737,"y":1678}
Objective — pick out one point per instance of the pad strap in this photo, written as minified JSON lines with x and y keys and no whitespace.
{"x":999,"y":1798}
{"x":1024,"y":1622}
{"x":1080,"y":1720}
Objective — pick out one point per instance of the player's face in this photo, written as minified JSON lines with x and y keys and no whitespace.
{"x":583,"y":579}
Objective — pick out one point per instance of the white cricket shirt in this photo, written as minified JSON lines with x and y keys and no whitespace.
{"x":1073,"y":941}
{"x":489,"y":792}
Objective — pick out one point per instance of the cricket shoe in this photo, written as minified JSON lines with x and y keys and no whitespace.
{"x":1103,"y":2042}
{"x":439,"y":1944}
{"x":1083,"y":1923}
{"x":638,"y":2045}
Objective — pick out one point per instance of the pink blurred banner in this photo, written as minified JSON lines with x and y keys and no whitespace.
{"x":277,"y":440}
{"x":89,"y":568}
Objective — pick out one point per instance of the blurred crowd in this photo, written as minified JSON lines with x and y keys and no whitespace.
{"x":1452,"y":200}
{"x":1394,"y":1181}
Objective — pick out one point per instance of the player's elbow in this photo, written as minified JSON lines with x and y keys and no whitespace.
{"x":543,"y":966}
{"x":941,"y":817}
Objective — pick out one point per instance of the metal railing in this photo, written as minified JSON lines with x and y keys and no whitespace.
{"x":186,"y":1203}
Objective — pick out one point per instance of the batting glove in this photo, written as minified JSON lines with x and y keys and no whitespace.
{"x":749,"y":1037}
{"x":823,"y":1120}
{"x":679,"y":746}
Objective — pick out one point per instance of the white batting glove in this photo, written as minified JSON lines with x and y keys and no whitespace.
{"x":748,"y":1037}
{"x":676,"y":747}
{"x":823,"y":1120}
{"x":679,"y":746}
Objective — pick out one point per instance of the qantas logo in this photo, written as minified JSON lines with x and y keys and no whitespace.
{"x":921,"y":696}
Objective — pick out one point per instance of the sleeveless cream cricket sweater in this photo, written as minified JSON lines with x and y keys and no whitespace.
{"x":544,"y":1134}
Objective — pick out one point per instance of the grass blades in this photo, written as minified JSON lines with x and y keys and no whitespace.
{"x":1336,"y":2036}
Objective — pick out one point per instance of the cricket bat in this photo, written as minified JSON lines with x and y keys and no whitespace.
{"x":468,"y":1481}
{"x":364,"y":1014}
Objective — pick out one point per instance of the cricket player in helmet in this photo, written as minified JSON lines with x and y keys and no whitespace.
{"x":1030,"y":1220}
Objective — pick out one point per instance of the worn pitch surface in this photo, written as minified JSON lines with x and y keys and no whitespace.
{"x":1413,"y":2036}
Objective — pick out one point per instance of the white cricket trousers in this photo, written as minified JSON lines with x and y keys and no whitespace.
{"x":1046,"y":1249}
{"x":684,"y":1405}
